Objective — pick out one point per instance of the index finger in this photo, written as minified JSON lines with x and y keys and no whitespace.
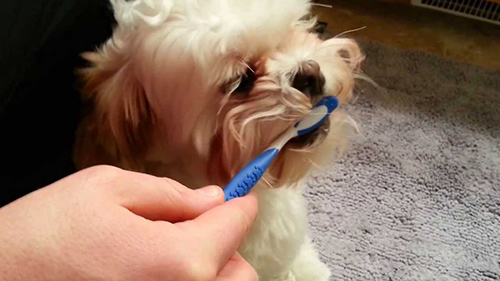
{"x":221,"y":230}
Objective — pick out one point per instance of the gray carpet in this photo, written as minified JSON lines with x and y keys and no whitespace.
{"x":418,"y":195}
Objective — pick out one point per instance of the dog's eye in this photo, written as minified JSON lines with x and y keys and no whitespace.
{"x":246,"y":84}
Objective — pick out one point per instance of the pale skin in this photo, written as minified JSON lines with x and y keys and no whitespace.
{"x":104,"y":223}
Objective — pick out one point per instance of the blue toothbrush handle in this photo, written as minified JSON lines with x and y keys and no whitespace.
{"x":243,"y":182}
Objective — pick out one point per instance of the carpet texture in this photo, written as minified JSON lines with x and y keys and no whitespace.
{"x":418,"y":195}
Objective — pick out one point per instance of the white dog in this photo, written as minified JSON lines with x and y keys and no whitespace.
{"x":194,"y":89}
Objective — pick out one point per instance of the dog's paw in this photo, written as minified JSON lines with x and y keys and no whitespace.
{"x":315,"y":271}
{"x":308,"y":266}
{"x":289,"y":276}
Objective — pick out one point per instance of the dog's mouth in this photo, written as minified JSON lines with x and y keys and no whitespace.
{"x":312,"y":139}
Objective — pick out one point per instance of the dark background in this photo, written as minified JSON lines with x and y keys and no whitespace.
{"x":40,"y":46}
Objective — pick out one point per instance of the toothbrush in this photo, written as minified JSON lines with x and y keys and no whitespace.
{"x":246,"y":179}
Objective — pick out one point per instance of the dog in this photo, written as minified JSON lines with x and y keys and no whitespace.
{"x":195,"y":89}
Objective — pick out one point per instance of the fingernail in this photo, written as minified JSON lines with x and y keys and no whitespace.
{"x":209,"y":191}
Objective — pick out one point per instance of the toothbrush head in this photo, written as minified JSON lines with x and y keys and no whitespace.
{"x":318,"y":115}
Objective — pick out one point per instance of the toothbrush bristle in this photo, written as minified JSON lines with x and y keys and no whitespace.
{"x":321,"y":110}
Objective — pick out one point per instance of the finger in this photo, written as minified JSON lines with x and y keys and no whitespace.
{"x":221,"y":230}
{"x":164,"y":199}
{"x":237,"y":269}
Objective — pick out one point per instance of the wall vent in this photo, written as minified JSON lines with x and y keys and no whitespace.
{"x":484,"y":10}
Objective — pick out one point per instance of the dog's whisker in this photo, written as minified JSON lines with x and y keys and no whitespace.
{"x":316,"y":165}
{"x":350,"y":31}
{"x":322,"y":5}
{"x":248,"y":66}
{"x":267,"y":182}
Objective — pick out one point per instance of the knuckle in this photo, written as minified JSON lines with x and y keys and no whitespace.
{"x":177,"y":187}
{"x":247,"y":270}
{"x":251,"y":273}
{"x":176,"y":192}
{"x":244,"y":219}
{"x":197,"y":271}
{"x":103,"y":171}
{"x":172,"y":192}
{"x":102,"y":177}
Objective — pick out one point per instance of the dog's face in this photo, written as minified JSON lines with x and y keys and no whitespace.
{"x":217,"y":82}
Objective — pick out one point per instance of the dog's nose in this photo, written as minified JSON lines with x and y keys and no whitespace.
{"x":309,"y":79}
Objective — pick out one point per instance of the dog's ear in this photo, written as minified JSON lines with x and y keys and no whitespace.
{"x":117,"y":128}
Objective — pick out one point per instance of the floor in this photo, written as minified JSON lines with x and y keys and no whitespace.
{"x":411,"y":28}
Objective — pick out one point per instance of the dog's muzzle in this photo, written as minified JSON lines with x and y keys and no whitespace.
{"x":312,"y":139}
{"x":309,"y":80}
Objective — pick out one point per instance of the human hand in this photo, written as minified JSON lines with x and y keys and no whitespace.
{"x":104,"y":223}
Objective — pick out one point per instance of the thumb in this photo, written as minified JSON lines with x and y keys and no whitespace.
{"x":164,"y":199}
{"x":221,"y":230}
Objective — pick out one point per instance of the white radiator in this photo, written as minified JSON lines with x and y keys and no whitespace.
{"x":477,"y":9}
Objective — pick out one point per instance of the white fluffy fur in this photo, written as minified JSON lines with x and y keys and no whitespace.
{"x":160,"y":97}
